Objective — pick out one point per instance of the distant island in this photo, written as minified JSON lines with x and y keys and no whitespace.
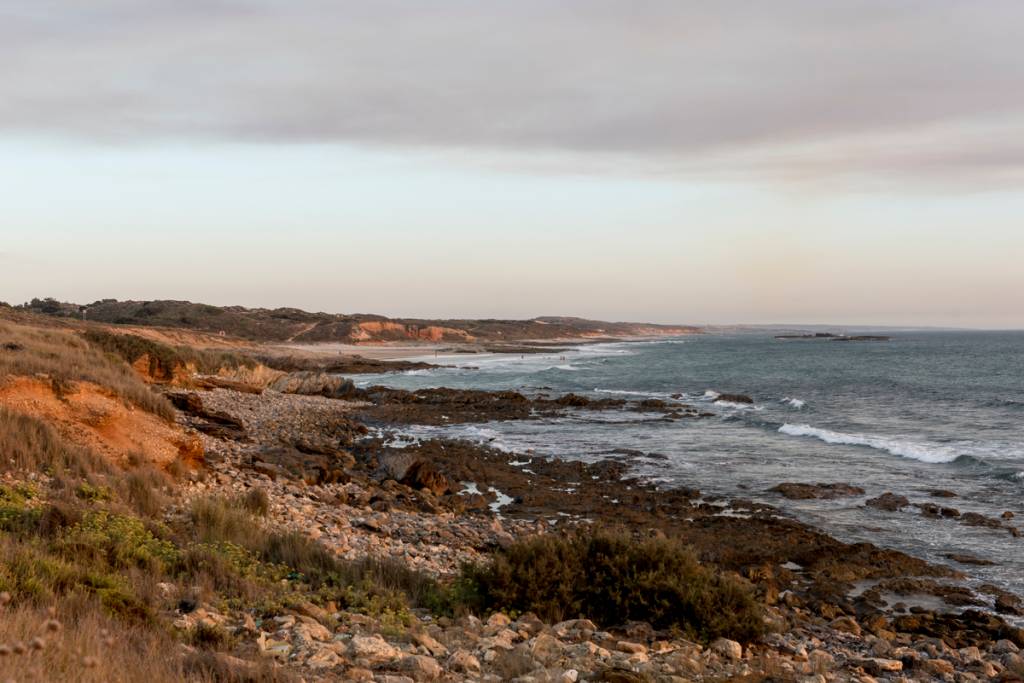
{"x":829,"y":336}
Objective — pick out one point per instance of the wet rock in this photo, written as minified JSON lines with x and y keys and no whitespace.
{"x":796,"y":491}
{"x":733,"y":398}
{"x":889,"y":502}
{"x":963,"y":558}
{"x":941,"y":493}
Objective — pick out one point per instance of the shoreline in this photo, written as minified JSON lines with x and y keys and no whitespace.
{"x":418,"y":351}
{"x":829,"y":595}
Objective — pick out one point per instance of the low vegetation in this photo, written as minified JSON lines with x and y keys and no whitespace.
{"x":614,"y":578}
{"x":63,"y":357}
{"x":163,"y":358}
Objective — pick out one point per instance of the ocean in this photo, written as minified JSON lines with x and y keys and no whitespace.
{"x":923,"y":411}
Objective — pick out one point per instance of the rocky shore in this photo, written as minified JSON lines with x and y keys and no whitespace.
{"x":334,"y":471}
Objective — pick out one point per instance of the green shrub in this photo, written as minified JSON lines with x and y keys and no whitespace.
{"x":118,"y":541}
{"x":613,"y":578}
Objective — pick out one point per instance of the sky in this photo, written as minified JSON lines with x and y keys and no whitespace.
{"x":668,"y":161}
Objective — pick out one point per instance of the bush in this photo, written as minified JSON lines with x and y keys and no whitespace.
{"x":613,"y":578}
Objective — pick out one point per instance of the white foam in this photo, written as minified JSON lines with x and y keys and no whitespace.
{"x":794,"y":402}
{"x":904,"y":449}
{"x":502,"y":501}
{"x":711,"y":395}
{"x":735,"y":406}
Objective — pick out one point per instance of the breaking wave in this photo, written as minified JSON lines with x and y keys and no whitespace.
{"x":905,"y":449}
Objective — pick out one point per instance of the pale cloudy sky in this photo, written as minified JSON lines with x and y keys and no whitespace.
{"x":793,"y":161}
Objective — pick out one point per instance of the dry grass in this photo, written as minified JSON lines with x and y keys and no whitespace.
{"x":64,"y":357}
{"x":74,"y":642}
{"x":30,"y":445}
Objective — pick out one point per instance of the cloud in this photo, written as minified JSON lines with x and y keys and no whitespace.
{"x":783,"y":90}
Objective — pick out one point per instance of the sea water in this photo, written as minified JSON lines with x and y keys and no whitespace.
{"x":923,"y":411}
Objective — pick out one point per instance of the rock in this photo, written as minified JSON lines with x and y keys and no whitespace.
{"x":729,"y":649}
{"x":733,"y":398}
{"x":846,"y":625}
{"x":285,"y":462}
{"x":312,"y":631}
{"x":941,"y":493}
{"x":1004,"y":646}
{"x":565,"y":628}
{"x":937,"y":667}
{"x":372,"y":649}
{"x":888,"y":501}
{"x":433,"y":646}
{"x":795,"y":491}
{"x":272,"y":648}
{"x":314,"y":383}
{"x":569,"y":676}
{"x":619,"y":675}
{"x":546,"y":649}
{"x":963,"y":558}
{"x":415,"y":472}
{"x":421,"y":667}
{"x":325,"y":658}
{"x":498,"y":619}
{"x":1007,"y":603}
{"x":877,"y":666}
{"x":464,"y":662}
{"x":633,"y":648}
{"x":975,"y":519}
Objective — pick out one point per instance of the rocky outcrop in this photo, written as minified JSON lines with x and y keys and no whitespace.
{"x":796,"y":491}
{"x":314,"y":383}
{"x":213,"y":422}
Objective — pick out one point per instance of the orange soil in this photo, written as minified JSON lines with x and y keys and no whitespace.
{"x":93,"y":417}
